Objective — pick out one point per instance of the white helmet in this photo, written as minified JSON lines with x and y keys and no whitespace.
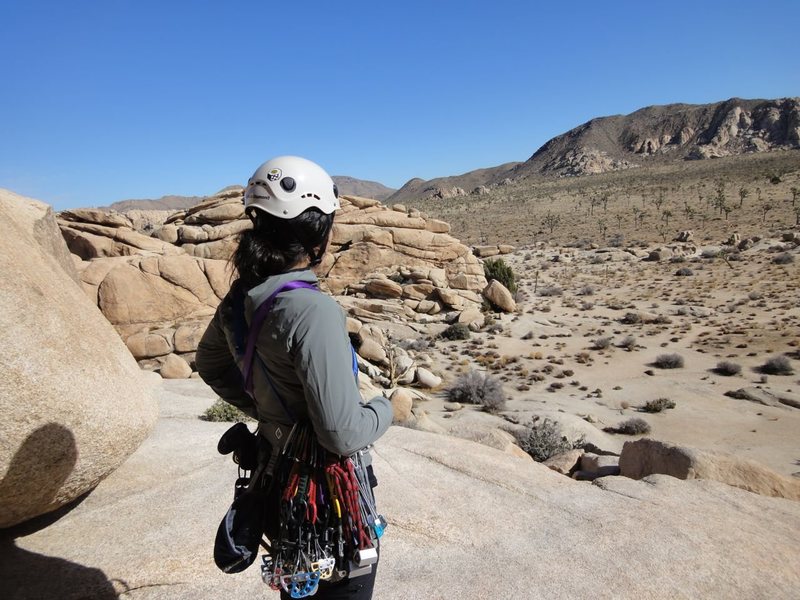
{"x":288,"y":185}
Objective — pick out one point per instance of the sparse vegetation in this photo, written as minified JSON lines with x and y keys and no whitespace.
{"x":777,"y":365}
{"x":684,"y":272}
{"x":668,"y":361}
{"x":727,"y":368}
{"x":474,"y":387}
{"x":783,"y":259}
{"x":222,"y":411}
{"x":633,"y":426}
{"x":628,"y":343}
{"x":658,"y":405}
{"x":543,"y":439}
{"x":551,"y":290}
{"x":601,"y":343}
{"x":456,"y":331}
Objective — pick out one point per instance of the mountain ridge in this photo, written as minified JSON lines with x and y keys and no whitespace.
{"x":657,"y":134}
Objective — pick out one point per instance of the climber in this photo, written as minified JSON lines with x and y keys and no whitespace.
{"x":303,"y":352}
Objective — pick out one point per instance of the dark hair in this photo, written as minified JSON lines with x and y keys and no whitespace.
{"x":276,"y":245}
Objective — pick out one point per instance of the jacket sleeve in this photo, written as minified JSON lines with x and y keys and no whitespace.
{"x":323,"y":363}
{"x":217,"y":367}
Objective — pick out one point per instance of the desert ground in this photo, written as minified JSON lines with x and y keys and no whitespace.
{"x":592,"y":320}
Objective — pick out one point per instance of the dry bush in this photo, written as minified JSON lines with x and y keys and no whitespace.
{"x":684,"y":272}
{"x":634,"y":426}
{"x":476,"y":388}
{"x":602,"y":343}
{"x":456,"y":331}
{"x":668,"y":361}
{"x":783,"y":259}
{"x":657,"y":405}
{"x":628,"y":343}
{"x":777,"y":365}
{"x":543,"y":439}
{"x":727,"y":368}
{"x":550,"y":290}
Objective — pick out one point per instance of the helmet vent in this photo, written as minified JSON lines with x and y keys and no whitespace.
{"x":310,"y":196}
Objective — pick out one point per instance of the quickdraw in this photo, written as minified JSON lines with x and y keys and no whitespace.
{"x":329,"y":527}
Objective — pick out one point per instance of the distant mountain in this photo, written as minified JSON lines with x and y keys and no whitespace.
{"x":163,"y":203}
{"x":351,"y":186}
{"x":347,"y":185}
{"x":652,"y":135}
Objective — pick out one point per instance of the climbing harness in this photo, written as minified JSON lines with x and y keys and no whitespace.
{"x":328,"y":526}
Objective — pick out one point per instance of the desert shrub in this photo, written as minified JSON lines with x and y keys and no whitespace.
{"x":657,"y":405}
{"x":456,"y":331}
{"x":631,"y":318}
{"x":684,"y":272}
{"x":498,"y":270}
{"x":677,"y":259}
{"x":668,"y":361}
{"x":415,"y":344}
{"x":601,"y":343}
{"x":476,"y":388}
{"x":628,"y":343}
{"x":783,"y":259}
{"x":634,"y":426}
{"x":222,"y":411}
{"x":754,"y":295}
{"x":710,"y":253}
{"x":727,"y":368}
{"x":551,"y":290}
{"x":616,"y":240}
{"x":586,"y":290}
{"x":543,"y":439}
{"x":777,"y":365}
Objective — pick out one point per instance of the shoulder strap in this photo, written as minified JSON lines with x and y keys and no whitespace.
{"x":255,"y":326}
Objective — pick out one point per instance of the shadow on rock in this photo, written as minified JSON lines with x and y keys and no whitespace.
{"x":31,"y":485}
{"x":27,"y":575}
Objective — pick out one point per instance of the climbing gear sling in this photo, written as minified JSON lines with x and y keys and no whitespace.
{"x":328,"y":526}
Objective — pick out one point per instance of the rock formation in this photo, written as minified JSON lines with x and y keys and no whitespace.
{"x":74,"y":403}
{"x":160,"y":290}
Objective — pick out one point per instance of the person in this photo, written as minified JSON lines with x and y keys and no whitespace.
{"x":303,"y":346}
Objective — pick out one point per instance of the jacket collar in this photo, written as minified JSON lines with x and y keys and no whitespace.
{"x":262,"y":291}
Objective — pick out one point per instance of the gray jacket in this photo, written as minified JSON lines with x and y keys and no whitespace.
{"x":306,"y":350}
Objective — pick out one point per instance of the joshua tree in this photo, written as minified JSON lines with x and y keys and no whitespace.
{"x":603,"y":227}
{"x":666,"y":215}
{"x":719,"y":199}
{"x":743,"y":193}
{"x":659,"y":200}
{"x":795,"y":193}
{"x":765,"y":208}
{"x":797,"y":215}
{"x":619,"y":220}
{"x":604,"y":199}
{"x":727,"y":209}
{"x":551,"y":221}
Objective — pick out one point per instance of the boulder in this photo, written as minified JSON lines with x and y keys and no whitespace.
{"x":175,"y":367}
{"x":426,"y":379}
{"x":372,"y":351}
{"x":149,"y":344}
{"x":499,"y":296}
{"x":646,"y":457}
{"x":402,"y":403}
{"x":384,"y":288}
{"x":73,"y":400}
{"x":566,"y":462}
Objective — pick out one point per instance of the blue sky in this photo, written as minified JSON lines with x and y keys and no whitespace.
{"x":114,"y":99}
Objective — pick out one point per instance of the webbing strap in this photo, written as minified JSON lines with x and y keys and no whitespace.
{"x":255,"y":326}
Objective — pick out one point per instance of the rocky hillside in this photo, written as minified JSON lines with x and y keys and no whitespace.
{"x":655,"y":135}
